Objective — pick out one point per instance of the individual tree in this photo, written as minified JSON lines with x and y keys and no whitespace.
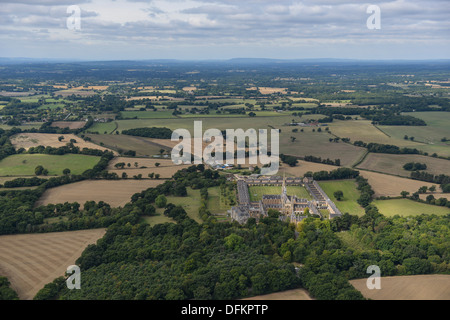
{"x":161,"y":201}
{"x":404,"y":194}
{"x":423,"y":189}
{"x":338,"y":195}
{"x":38,"y":170}
{"x":151,"y":175}
{"x":60,"y":138}
{"x":432,"y":188}
{"x":157,"y":176}
{"x":157,"y":164}
{"x":66,"y":171}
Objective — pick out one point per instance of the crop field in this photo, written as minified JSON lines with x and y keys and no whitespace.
{"x":417,"y":287}
{"x":27,"y":140}
{"x":436,"y":195}
{"x":114,"y":192}
{"x":293,"y":294}
{"x":144,"y":147}
{"x":387,"y":185}
{"x":166,"y":169}
{"x":351,"y":194}
{"x":69,"y":124}
{"x":407,"y":207}
{"x":24,"y":164}
{"x":256,"y":192}
{"x":30,"y":261}
{"x":393,"y":163}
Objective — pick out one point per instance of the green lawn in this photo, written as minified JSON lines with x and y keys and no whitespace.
{"x":24,"y":164}
{"x":216,"y":203}
{"x":406,"y":207}
{"x":256,"y":192}
{"x":351,"y":194}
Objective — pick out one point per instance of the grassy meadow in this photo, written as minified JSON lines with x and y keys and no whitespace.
{"x":25,"y":164}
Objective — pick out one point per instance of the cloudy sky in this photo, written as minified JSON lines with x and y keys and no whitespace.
{"x":222,"y":29}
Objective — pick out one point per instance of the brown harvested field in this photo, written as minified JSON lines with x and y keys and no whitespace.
{"x":114,"y":192}
{"x":423,"y":196}
{"x":68,"y":124}
{"x":81,"y":92}
{"x":303,"y":167}
{"x":387,"y":185}
{"x":30,"y":261}
{"x":268,"y":90}
{"x":393,"y":163}
{"x":294,"y":294}
{"x":418,"y":287}
{"x":142,"y":146}
{"x":166,"y":168}
{"x":27,"y":140}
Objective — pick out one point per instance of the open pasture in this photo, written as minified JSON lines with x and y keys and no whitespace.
{"x":437,"y":128}
{"x":317,"y":144}
{"x":351,"y":194}
{"x":30,"y":261}
{"x":407,"y":207}
{"x":393,"y":163}
{"x":25,"y":164}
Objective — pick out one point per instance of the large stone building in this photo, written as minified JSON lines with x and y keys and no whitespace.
{"x":291,"y":208}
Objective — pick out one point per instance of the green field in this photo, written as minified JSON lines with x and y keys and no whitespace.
{"x":430,"y":135}
{"x":351,"y":194}
{"x":147,"y":114}
{"x":24,"y":164}
{"x":190,"y":203}
{"x":406,"y":207}
{"x":216,"y":205}
{"x":256,"y":192}
{"x":142,"y":146}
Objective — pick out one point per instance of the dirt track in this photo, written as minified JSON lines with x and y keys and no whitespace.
{"x":30,"y":261}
